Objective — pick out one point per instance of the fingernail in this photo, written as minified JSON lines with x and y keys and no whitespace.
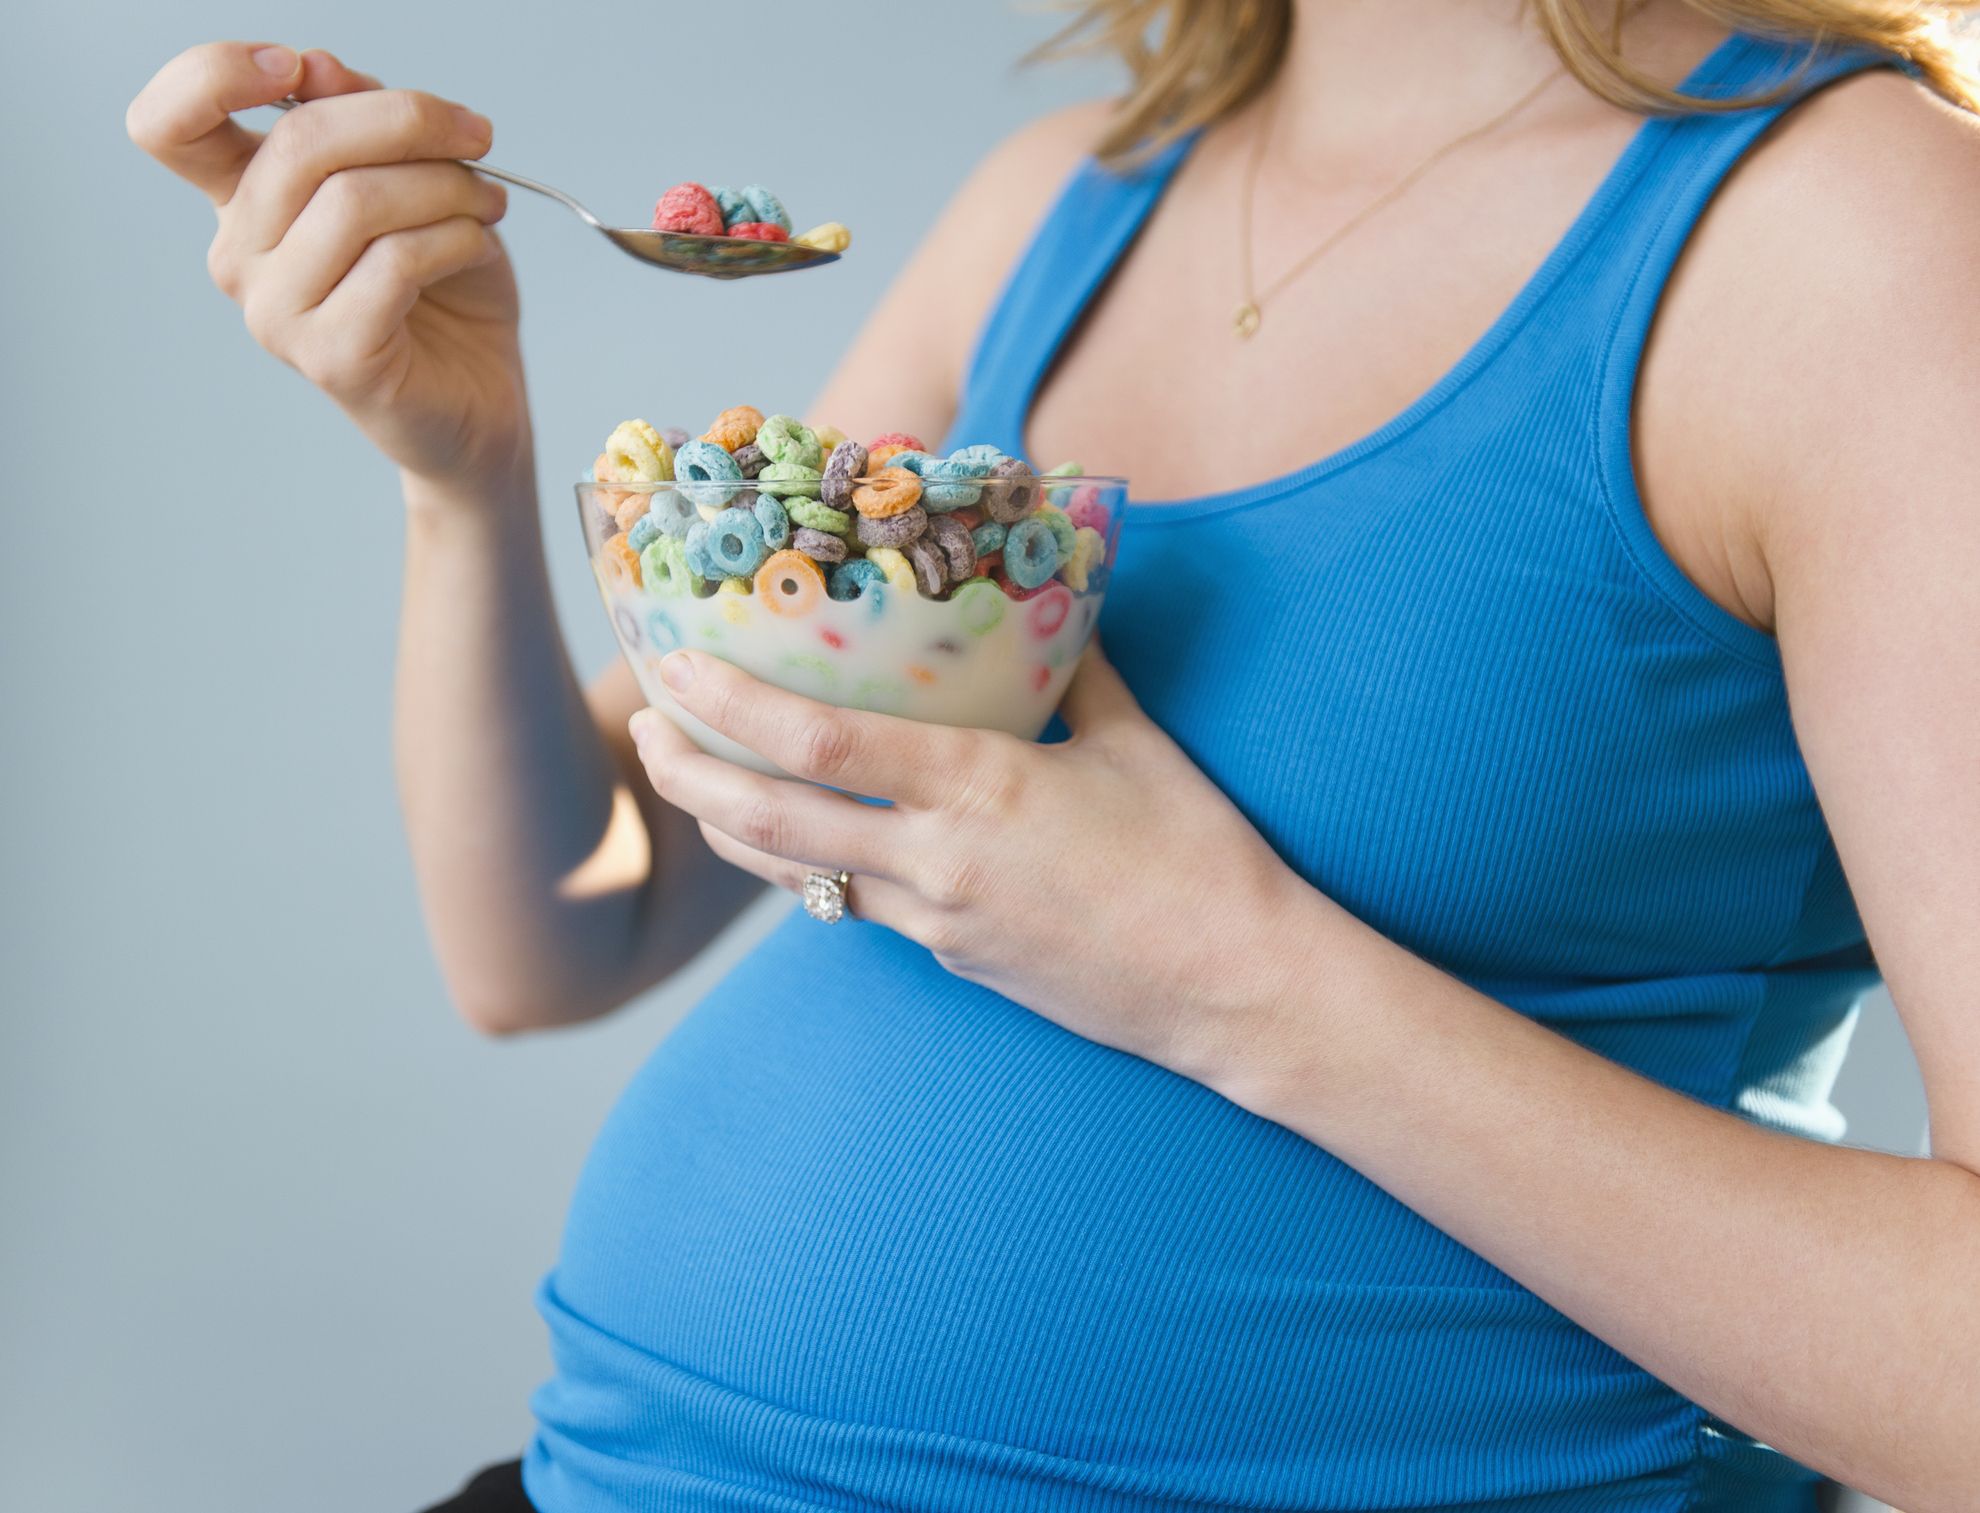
{"x":641,"y":726}
{"x":279,"y":61}
{"x":677,"y":670}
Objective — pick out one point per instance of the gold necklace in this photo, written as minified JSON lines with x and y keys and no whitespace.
{"x":1248,"y":315}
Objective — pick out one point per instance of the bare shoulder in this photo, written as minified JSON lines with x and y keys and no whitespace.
{"x":1821,"y":323}
{"x":936,"y":305}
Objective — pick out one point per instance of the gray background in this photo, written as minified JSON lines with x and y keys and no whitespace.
{"x":269,"y":1216}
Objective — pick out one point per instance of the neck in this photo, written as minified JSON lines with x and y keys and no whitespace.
{"x":1383,"y":78}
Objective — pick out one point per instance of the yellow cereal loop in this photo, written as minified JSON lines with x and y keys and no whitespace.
{"x":898,"y":570}
{"x":830,"y":237}
{"x":733,"y":586}
{"x":1089,"y":546}
{"x":639,"y":454}
{"x":708,"y":512}
{"x":828,"y":438}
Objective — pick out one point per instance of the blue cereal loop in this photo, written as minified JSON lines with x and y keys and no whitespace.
{"x":733,"y":206}
{"x":661,"y":632}
{"x":735,"y":543}
{"x":854,"y":580}
{"x":951,"y":482}
{"x":981,"y":460}
{"x":694,"y":548}
{"x":774,"y":521}
{"x":672,"y":512}
{"x":764,"y":206}
{"x":1031,"y":553}
{"x":988,"y":537}
{"x":706,"y":474}
{"x":644,"y":530}
{"x":914,"y":462}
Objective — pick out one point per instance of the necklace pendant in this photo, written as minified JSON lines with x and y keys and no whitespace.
{"x":1245,"y":322}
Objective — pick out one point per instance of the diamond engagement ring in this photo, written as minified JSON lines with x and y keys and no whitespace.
{"x":825,"y":896}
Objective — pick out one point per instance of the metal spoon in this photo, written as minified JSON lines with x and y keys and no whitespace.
{"x":676,"y":251}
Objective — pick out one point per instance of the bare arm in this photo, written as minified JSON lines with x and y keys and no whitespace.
{"x":555,"y":888}
{"x":1823,"y":1300}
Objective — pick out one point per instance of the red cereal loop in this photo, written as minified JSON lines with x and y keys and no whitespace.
{"x":1085,"y":508}
{"x":760,"y":231}
{"x":1048,"y":612}
{"x":988,"y":562}
{"x":1040,"y":676}
{"x":899,"y":440}
{"x":1015,"y":590}
{"x":689,"y":208}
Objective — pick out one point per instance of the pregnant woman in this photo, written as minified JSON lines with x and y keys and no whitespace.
{"x":1381,"y":1060}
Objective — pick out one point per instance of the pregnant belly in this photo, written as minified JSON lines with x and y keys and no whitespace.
{"x":860,"y":1234}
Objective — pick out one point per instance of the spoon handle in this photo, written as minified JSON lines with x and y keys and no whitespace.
{"x":491,"y":171}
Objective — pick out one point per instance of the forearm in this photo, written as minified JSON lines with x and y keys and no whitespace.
{"x":1821,"y":1299}
{"x":533,"y":861}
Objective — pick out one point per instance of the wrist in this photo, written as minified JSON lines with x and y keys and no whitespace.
{"x":506,"y":494}
{"x":1289,"y":1031}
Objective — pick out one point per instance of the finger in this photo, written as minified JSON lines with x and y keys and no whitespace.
{"x":183,"y":116}
{"x":341,"y":131}
{"x":877,"y":755}
{"x":797,"y":821}
{"x":324,"y":73}
{"x":362,"y":315}
{"x":868,"y":897}
{"x":354,"y":208}
{"x":1096,"y":696}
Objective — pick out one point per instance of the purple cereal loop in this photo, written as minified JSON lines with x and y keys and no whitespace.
{"x":818,"y":545}
{"x":676,"y":438}
{"x":750,"y":459}
{"x":892,"y":530}
{"x":952,"y":537}
{"x":930,"y":571}
{"x":847,"y":462}
{"x":1011,"y":492}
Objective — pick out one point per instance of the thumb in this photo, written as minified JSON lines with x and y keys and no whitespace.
{"x":1097,"y":696}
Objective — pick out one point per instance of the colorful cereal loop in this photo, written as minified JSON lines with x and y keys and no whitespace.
{"x":1046,"y":613}
{"x":639,"y":454}
{"x":664,"y":568}
{"x":898,"y":571}
{"x":662,"y":634}
{"x":618,"y":564}
{"x":790,"y":584}
{"x":979,"y":606}
{"x":822,"y":673}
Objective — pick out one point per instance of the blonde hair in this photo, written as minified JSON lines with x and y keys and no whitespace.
{"x":1191,"y":62}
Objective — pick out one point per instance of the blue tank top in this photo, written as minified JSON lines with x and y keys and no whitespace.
{"x":861,"y":1235}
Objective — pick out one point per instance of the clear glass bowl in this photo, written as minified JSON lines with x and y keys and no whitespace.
{"x":984,"y":652}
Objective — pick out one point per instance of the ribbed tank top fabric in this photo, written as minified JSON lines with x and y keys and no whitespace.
{"x":861,"y":1235}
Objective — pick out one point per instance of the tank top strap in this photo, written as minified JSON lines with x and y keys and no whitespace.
{"x":1096,"y":214}
{"x":1607,"y":302}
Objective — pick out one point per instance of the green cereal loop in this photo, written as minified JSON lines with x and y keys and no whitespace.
{"x":818,"y":515}
{"x":1064,"y":470}
{"x":1062,"y":529}
{"x":979,"y":605}
{"x":821,"y":670}
{"x":786,"y":480}
{"x":785,"y":439}
{"x":664,"y":569}
{"x":711,"y":630}
{"x":877,"y":695}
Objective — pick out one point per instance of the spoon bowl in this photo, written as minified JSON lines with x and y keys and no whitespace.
{"x":677,"y":251}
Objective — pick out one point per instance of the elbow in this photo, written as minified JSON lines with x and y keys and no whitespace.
{"x":499,"y":1009}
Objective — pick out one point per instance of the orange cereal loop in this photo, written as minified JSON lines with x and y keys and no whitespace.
{"x":920,"y":674}
{"x":735,"y":428}
{"x":789,"y":583}
{"x":878,"y":456}
{"x":618,"y":563}
{"x":631,"y":509}
{"x":605,"y":471}
{"x":889,"y":492}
